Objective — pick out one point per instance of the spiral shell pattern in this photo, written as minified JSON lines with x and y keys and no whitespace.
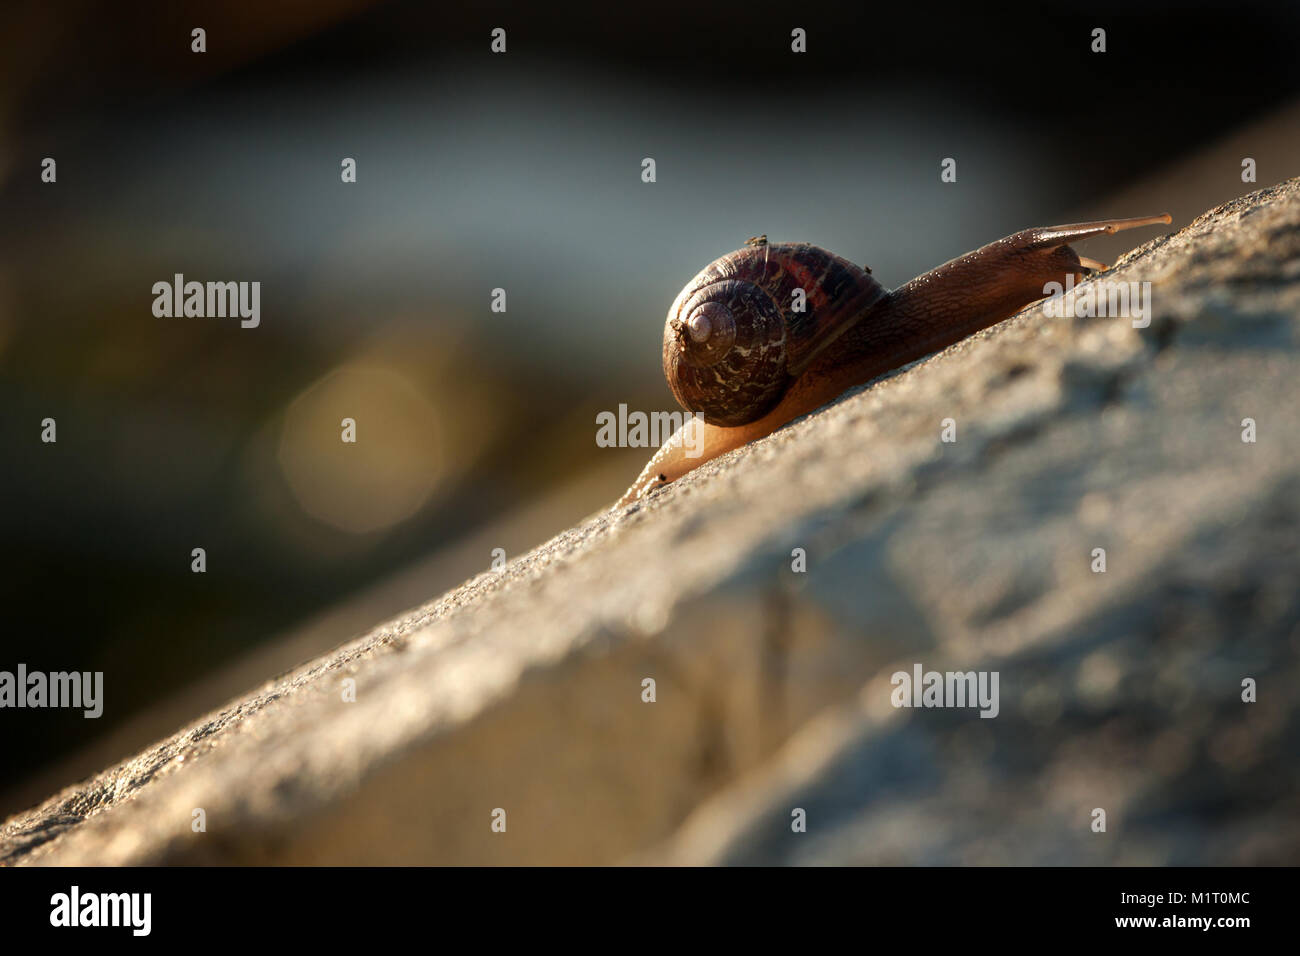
{"x":733,"y":341}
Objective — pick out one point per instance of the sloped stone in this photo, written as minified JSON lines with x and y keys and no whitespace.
{"x":522,"y":690}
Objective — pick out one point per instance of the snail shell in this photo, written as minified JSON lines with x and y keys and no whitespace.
{"x":734,"y":342}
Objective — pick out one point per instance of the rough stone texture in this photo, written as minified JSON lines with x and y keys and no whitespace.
{"x":522,"y":689}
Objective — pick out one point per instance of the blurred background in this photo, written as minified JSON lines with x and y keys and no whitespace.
{"x":476,"y":430}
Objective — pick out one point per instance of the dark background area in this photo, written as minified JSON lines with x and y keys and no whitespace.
{"x":475,"y":171}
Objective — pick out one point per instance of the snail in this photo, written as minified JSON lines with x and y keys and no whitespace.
{"x":740,"y":351}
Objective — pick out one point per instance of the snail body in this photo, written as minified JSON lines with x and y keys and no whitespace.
{"x":737,"y":351}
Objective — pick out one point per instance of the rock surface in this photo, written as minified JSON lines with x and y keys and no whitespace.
{"x":522,"y":689}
